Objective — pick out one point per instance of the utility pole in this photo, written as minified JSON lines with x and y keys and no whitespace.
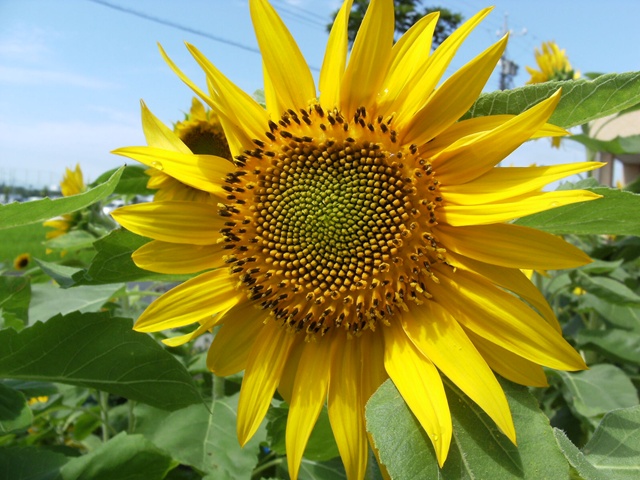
{"x":508,"y":68}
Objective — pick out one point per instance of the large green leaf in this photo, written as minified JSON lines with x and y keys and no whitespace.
{"x":48,"y":299}
{"x":607,"y":289}
{"x":615,"y":343}
{"x":122,"y":457}
{"x":614,"y":449}
{"x":616,"y":213}
{"x":97,"y":351}
{"x":202,"y":438}
{"x":132,"y":182}
{"x":15,"y":414}
{"x":622,"y":316}
{"x":594,"y":392}
{"x":30,"y":463}
{"x":576,"y":458}
{"x":478,"y":449}
{"x":16,"y":214}
{"x":617,"y":146}
{"x":15,"y":295}
{"x":112,"y":262}
{"x":581,"y":102}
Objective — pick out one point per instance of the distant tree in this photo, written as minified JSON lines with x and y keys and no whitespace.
{"x":407,"y":13}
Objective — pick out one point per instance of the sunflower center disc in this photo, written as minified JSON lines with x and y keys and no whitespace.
{"x":323,"y":228}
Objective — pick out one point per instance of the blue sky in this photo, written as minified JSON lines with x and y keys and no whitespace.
{"x":72,"y":72}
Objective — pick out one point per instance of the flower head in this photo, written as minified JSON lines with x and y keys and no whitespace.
{"x":359,"y":234}
{"x":201,"y":132}
{"x":22,"y":261}
{"x":553,"y":64}
{"x":72,"y":183}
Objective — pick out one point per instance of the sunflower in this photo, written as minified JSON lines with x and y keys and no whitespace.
{"x":22,"y":261}
{"x":553,"y":64}
{"x":201,"y":132}
{"x":359,"y":234}
{"x":72,"y":183}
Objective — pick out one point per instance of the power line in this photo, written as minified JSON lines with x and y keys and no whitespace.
{"x":169,"y":23}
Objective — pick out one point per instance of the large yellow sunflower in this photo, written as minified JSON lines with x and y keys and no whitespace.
{"x":360,"y":233}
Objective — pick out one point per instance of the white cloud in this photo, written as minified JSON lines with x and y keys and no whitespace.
{"x":25,"y":43}
{"x":39,"y":76}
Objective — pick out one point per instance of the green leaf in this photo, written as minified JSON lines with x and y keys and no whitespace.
{"x":478,"y":449}
{"x":581,"y":102}
{"x":576,"y":458}
{"x":16,"y":214}
{"x":122,"y":457}
{"x":617,"y":146}
{"x":616,"y":213}
{"x":622,"y":316}
{"x":594,"y":392}
{"x":30,"y":463}
{"x":614,"y":449}
{"x":15,"y":414}
{"x":616,"y":344}
{"x":203,"y":439}
{"x":48,"y":299}
{"x":15,"y":295}
{"x":132,"y":182}
{"x":71,"y":241}
{"x":96,"y":351}
{"x":112,"y":262}
{"x":62,"y":274}
{"x":607,"y":289}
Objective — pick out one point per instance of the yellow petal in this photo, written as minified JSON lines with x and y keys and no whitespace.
{"x":345,"y":414}
{"x":511,"y":279}
{"x":462,"y":163}
{"x":335,"y":58}
{"x":463,"y":215}
{"x":468,"y":130}
{"x":288,"y":70}
{"x":264,"y":367}
{"x":511,"y":366}
{"x":203,"y":172}
{"x":182,"y":339}
{"x":500,"y":184}
{"x":174,"y":222}
{"x":421,"y":85}
{"x":308,"y":397}
{"x":288,"y":377}
{"x":159,"y":135}
{"x":512,"y":246}
{"x":407,"y":55}
{"x":373,"y":372}
{"x":229,"y":351}
{"x":176,"y":258}
{"x":439,"y":337}
{"x":503,"y":319}
{"x":192,"y":301}
{"x":369,"y":58}
{"x":237,"y":104}
{"x":449,"y":102}
{"x":420,"y":385}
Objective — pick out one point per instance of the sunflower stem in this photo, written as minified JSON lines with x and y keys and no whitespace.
{"x":217,"y":388}
{"x":103,"y":399}
{"x":265,"y":466}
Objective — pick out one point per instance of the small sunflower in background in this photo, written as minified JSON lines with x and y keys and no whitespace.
{"x":553,"y":64}
{"x":360,"y":233}
{"x":202,"y":133}
{"x":72,"y":184}
{"x":22,"y":261}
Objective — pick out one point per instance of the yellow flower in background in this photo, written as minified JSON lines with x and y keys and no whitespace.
{"x":72,"y":184}
{"x":359,"y":234}
{"x":21,"y":261}
{"x":202,"y":133}
{"x":553,"y":64}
